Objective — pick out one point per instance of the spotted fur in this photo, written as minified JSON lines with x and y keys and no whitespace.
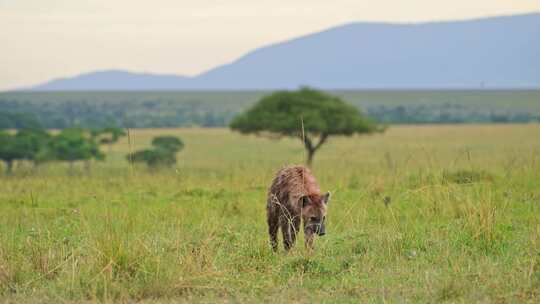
{"x":295,"y":197}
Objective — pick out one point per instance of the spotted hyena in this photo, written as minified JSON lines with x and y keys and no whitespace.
{"x":293,"y":197}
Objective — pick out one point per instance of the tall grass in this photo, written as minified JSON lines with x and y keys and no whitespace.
{"x":420,"y":214}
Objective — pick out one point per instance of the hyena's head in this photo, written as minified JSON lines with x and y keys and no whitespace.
{"x":314,"y":215}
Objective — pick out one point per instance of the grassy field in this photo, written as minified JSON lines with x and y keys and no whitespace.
{"x":418,"y":214}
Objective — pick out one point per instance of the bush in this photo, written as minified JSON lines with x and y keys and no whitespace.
{"x":163,"y":153}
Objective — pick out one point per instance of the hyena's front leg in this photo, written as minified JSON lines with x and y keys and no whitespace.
{"x":296,"y":227}
{"x":308,"y":237}
{"x":289,"y":228}
{"x":273,"y":226}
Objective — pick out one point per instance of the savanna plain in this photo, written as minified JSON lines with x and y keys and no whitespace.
{"x":446,"y":213}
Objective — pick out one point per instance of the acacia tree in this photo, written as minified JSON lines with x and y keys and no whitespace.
{"x":323,"y":115}
{"x":162,"y":154}
{"x":8,"y":150}
{"x":154,"y":157}
{"x":32,"y":144}
{"x":26,"y":144}
{"x":169,"y":143}
{"x":74,"y":144}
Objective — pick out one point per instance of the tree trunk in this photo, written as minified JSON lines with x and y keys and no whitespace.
{"x":71,"y":168}
{"x":9,"y":167}
{"x":309,"y":160}
{"x":87,"y":166}
{"x":311,"y":148}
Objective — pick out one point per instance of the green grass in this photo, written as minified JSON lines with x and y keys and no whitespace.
{"x":418,"y":214}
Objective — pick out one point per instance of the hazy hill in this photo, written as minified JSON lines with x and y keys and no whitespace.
{"x":113,"y":80}
{"x":491,"y":52}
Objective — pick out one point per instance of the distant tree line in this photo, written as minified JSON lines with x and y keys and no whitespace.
{"x":93,"y":112}
{"x":18,"y":121}
{"x":217,"y":109}
{"x":73,"y":145}
{"x":447,"y":114}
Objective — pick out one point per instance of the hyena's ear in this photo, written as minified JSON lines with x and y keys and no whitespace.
{"x":305,"y":201}
{"x":326,"y":198}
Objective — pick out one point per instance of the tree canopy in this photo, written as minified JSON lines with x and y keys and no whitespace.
{"x":170,"y":143}
{"x":162,"y":154}
{"x":26,"y":144}
{"x":323,"y":115}
{"x":75,"y":144}
{"x":8,"y":149}
{"x":31,"y":142}
{"x":154,"y":157}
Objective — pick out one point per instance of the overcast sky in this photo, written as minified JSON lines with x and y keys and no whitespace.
{"x":44,"y":39}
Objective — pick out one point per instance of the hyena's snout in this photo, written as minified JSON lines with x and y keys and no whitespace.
{"x":321,"y":231}
{"x":317,"y":228}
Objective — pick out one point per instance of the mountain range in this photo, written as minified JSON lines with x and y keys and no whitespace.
{"x":494,"y":52}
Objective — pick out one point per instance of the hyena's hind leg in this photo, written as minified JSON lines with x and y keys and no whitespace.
{"x":272,"y":218}
{"x":289,"y":228}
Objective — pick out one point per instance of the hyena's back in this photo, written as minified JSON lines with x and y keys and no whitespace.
{"x":290,"y":184}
